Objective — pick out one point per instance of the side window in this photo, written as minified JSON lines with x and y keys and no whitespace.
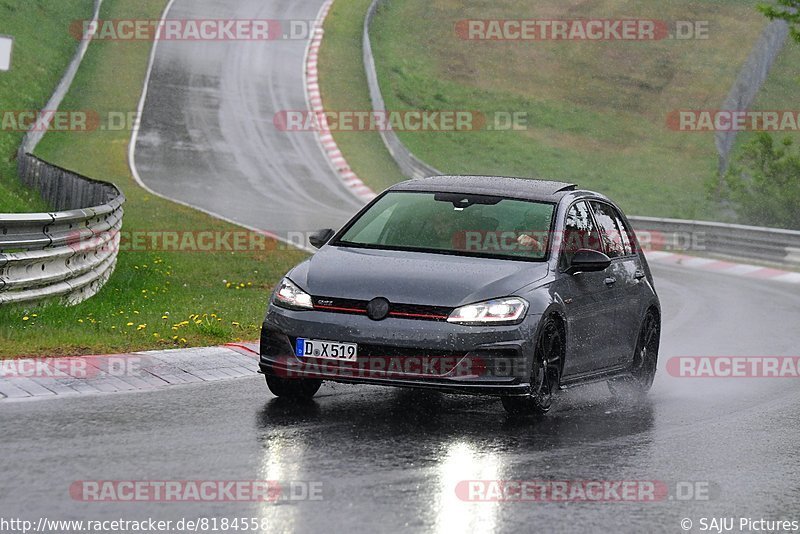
{"x":628,"y":238}
{"x":579,"y":232}
{"x":615,"y":240}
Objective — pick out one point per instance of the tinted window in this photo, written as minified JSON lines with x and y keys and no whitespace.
{"x":628,"y":238}
{"x":579,"y":232}
{"x":455,"y":224}
{"x":614,"y":239}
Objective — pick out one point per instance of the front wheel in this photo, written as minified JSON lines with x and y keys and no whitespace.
{"x":544,"y":376}
{"x":293,"y":388}
{"x":645,"y":362}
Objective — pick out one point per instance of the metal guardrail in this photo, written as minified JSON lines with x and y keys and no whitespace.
{"x":729,"y":240}
{"x":772,"y":245}
{"x":69,"y":253}
{"x":409,"y":164}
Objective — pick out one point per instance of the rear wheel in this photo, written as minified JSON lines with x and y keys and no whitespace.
{"x":545,"y":374}
{"x":645,"y":361}
{"x":294,"y":388}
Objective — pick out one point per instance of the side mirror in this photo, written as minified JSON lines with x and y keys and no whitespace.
{"x":320,"y":237}
{"x":588,"y":261}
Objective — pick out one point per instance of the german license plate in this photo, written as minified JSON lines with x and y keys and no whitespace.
{"x":328,"y":350}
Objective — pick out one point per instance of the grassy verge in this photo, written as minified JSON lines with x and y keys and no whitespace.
{"x":154,"y":299}
{"x":344,"y":87}
{"x":596,"y":112}
{"x":42,"y":50}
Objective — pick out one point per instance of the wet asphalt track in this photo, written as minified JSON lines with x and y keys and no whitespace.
{"x":207,"y":135}
{"x":388,"y":458}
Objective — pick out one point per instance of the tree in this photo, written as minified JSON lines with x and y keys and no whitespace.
{"x":788,"y":10}
{"x":764,"y":186}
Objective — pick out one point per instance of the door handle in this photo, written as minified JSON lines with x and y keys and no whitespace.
{"x":639,"y":274}
{"x":610,"y":281}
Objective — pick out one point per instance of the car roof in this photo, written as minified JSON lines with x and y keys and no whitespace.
{"x":502,"y":186}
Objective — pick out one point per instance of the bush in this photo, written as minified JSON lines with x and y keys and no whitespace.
{"x":763,"y":187}
{"x":788,"y":10}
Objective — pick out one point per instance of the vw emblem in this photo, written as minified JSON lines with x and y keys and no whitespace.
{"x":378,"y":309}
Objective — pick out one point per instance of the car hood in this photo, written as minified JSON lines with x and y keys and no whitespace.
{"x":412,"y":277}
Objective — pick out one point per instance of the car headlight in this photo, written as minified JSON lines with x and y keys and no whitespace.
{"x":290,"y":296}
{"x":509,"y":310}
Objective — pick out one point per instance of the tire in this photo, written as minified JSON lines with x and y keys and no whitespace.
{"x":547,"y":360}
{"x":295,"y":388}
{"x":645,"y":362}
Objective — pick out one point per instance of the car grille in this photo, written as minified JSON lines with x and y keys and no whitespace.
{"x":399,"y":311}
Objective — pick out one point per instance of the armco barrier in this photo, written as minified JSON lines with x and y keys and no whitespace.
{"x":409,"y":164}
{"x":68,"y":253}
{"x":738,"y":241}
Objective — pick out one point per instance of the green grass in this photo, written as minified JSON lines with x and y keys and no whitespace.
{"x":596,"y":111}
{"x":343,"y":85}
{"x":42,"y":50}
{"x":189,"y":296}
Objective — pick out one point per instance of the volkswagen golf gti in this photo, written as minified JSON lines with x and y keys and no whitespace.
{"x":498,"y":286}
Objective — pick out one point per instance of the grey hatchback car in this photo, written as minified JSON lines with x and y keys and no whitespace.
{"x":470,"y":284}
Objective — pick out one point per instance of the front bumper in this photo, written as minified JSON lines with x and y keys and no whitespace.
{"x":489,"y":360}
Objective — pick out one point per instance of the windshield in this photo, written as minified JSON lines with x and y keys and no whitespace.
{"x":454,"y":224}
